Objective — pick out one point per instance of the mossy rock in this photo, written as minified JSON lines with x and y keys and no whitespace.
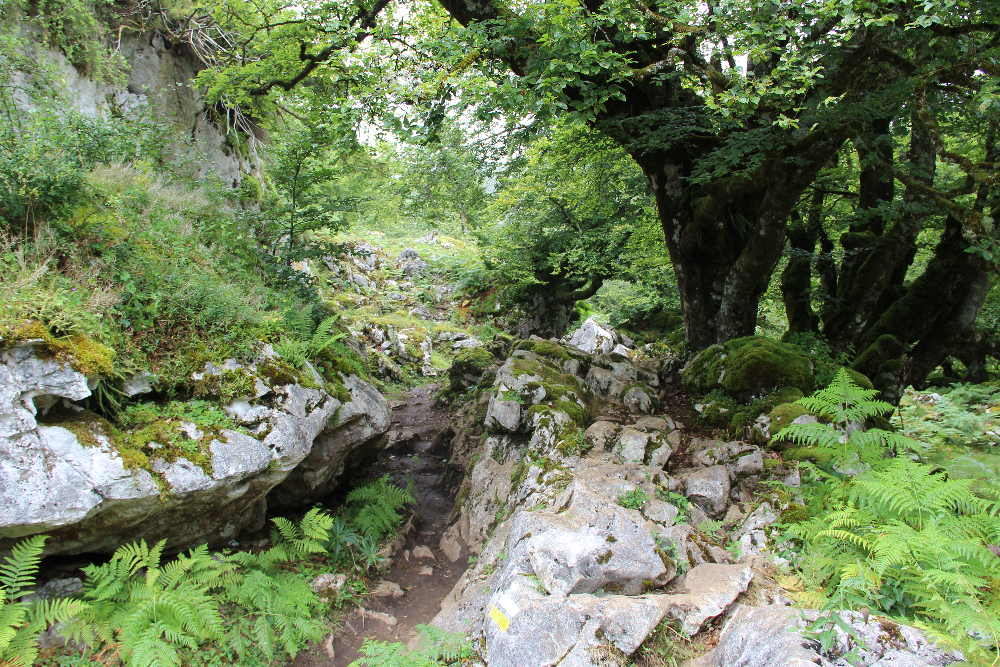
{"x":817,"y":455}
{"x":795,"y":513}
{"x":788,"y":395}
{"x":748,"y":367}
{"x":718,"y":412}
{"x":79,"y":352}
{"x":785,"y":414}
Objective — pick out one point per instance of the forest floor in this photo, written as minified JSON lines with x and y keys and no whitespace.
{"x":411,"y":453}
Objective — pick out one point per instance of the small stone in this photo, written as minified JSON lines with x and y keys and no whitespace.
{"x":751,"y":464}
{"x":638,"y":400}
{"x":659,"y":457}
{"x":709,"y":488}
{"x":379,"y":616}
{"x":451,"y":548}
{"x":600,"y":434}
{"x":426,"y":570}
{"x":387,"y":589}
{"x":649,"y":424}
{"x":632,"y":445}
{"x":329,"y":586}
{"x":423,"y":552}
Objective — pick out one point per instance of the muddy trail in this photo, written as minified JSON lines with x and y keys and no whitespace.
{"x":421,"y":574}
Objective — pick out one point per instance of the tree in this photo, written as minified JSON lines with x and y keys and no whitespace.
{"x":567,"y":220}
{"x":730,"y":152}
{"x":444,"y":178}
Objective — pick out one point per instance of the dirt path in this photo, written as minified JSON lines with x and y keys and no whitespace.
{"x":424,"y":581}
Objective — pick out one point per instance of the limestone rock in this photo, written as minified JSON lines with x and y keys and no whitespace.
{"x":329,"y":586}
{"x":423,"y":552}
{"x":592,"y":338}
{"x":503,"y":416}
{"x":650,"y":424}
{"x":710,"y":588}
{"x":632,"y":445}
{"x":659,"y":457}
{"x":772,"y":637}
{"x":387,"y":589}
{"x":356,"y":437}
{"x":601,"y":435}
{"x":638,"y":400}
{"x":709,"y":489}
{"x":81,"y":494}
{"x":411,"y":264}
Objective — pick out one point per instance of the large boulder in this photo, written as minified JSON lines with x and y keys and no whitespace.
{"x":592,"y":337}
{"x":90,"y":492}
{"x":353,"y":438}
{"x":749,"y":367}
{"x":775,"y":637}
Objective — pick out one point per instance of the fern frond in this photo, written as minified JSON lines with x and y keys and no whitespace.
{"x":18,"y":573}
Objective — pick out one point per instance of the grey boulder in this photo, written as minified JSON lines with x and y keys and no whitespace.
{"x":709,"y":489}
{"x":773,"y":637}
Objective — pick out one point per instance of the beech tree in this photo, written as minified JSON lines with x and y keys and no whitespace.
{"x":735,"y":151}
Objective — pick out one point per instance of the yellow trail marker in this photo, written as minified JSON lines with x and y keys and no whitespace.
{"x":502,"y":621}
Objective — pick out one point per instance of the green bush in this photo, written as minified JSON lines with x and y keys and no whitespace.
{"x":896,"y":534}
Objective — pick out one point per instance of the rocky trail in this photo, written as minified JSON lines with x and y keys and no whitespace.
{"x":421,"y":575}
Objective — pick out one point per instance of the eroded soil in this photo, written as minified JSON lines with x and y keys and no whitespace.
{"x":424,"y":581}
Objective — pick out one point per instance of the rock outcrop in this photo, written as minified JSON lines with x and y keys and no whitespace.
{"x":576,"y":530}
{"x":587,"y":531}
{"x":775,"y":636}
{"x":159,"y":82}
{"x":75,"y":483}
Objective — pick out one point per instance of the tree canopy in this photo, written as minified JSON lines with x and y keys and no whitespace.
{"x":849,"y":144}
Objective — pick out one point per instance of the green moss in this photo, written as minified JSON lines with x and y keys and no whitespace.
{"x":857,"y":240}
{"x":749,"y":367}
{"x":551,"y":350}
{"x":278,"y":372}
{"x":787,"y":395}
{"x":474,"y":359}
{"x":145,"y":423}
{"x":784,"y":414}
{"x":717,"y":411}
{"x":227,"y":387}
{"x":795,"y":513}
{"x":77,"y":351}
{"x":85,"y":425}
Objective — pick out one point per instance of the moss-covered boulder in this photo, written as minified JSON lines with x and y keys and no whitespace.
{"x":788,"y":395}
{"x":748,"y":367}
{"x":468,"y":368}
{"x":717,"y":412}
{"x":785,"y":414}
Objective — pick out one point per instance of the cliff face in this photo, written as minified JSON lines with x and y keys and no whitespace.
{"x":159,"y":83}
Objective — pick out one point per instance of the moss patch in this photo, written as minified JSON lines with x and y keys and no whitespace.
{"x":79,"y":352}
{"x":784,"y":414}
{"x":749,"y":367}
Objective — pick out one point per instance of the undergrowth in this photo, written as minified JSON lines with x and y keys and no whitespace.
{"x":894,"y":534}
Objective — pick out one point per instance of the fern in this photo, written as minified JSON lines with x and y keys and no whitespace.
{"x":845,"y":440}
{"x":21,"y":623}
{"x":272,"y":609}
{"x":144,"y":611}
{"x":293,"y":351}
{"x":913,"y":542}
{"x":435,"y":648}
{"x":374,"y":507}
{"x":325,"y":335}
